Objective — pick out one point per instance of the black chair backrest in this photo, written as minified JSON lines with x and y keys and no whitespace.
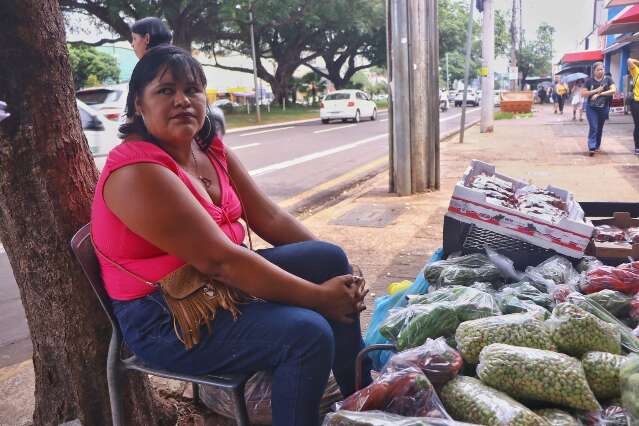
{"x":83,"y":249}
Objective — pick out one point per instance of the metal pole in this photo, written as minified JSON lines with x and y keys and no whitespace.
{"x":401,"y":98}
{"x":469,"y":41}
{"x":257,"y":105}
{"x":488,"y":68}
{"x":447,"y":75}
{"x":389,"y":68}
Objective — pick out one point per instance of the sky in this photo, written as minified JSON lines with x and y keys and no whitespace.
{"x":572,"y":20}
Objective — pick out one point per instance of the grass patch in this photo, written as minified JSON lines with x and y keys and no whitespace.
{"x":238,"y":119}
{"x":501,"y":115}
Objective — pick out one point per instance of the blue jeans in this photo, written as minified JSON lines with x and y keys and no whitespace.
{"x":298,"y":345}
{"x":596,"y":119}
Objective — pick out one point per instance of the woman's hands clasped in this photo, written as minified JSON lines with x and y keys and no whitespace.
{"x":342,"y":297}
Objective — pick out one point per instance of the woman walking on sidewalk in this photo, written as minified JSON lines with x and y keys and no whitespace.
{"x":633,"y":67}
{"x":598,"y":90}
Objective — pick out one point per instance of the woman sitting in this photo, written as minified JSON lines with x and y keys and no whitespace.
{"x":170,"y":196}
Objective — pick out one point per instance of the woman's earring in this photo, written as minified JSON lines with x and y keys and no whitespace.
{"x":210,"y":130}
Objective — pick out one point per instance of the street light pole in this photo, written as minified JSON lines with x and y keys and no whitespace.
{"x":447,"y":75}
{"x":257,"y":104}
{"x":488,"y":71}
{"x":469,"y":41}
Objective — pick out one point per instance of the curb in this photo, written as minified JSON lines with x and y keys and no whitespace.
{"x":331,"y":196}
{"x":284,"y":123}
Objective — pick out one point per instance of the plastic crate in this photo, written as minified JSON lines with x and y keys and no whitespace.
{"x":470,"y":238}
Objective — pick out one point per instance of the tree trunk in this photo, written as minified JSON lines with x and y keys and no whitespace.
{"x":182,"y":35}
{"x":47,"y":178}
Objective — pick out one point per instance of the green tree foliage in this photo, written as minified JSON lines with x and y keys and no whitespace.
{"x":534,"y":57}
{"x":193,"y":20}
{"x":286,"y":32}
{"x":89,"y":64}
{"x":361,"y":34}
{"x":453,"y":21}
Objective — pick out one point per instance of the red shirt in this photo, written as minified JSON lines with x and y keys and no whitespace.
{"x":120,"y":244}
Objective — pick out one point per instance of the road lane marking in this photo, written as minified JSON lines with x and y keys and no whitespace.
{"x":459,"y":115}
{"x":2,"y":251}
{"x":314,"y":156}
{"x":248,"y":145}
{"x":361,"y":170}
{"x":334,"y":128}
{"x":384,"y":119}
{"x":267,"y":131}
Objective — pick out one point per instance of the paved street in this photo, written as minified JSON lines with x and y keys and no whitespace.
{"x":285,"y":161}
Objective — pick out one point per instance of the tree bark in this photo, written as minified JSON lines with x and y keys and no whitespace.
{"x":47,"y":179}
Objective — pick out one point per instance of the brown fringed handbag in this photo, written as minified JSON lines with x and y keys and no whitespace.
{"x":193,"y":298}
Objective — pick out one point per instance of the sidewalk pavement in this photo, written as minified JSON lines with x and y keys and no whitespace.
{"x":391,"y":238}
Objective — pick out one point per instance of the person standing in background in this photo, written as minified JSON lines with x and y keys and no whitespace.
{"x":148,"y":33}
{"x":559,"y":91}
{"x":599,"y":90}
{"x":633,"y":68}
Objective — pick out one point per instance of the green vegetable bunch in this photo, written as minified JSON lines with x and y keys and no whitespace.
{"x":602,"y":371}
{"x":576,"y":331}
{"x":514,"y":329}
{"x":537,"y":375}
{"x":467,"y":399}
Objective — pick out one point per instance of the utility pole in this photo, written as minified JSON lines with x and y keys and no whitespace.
{"x":513,"y":44}
{"x":413,"y":46}
{"x":488,"y":68}
{"x":469,"y":42}
{"x":447,"y":75}
{"x":257,"y":104}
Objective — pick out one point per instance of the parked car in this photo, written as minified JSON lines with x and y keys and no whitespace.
{"x":101,"y":133}
{"x":109,"y":100}
{"x":226,"y":105}
{"x":478,"y":96}
{"x":471,"y":98}
{"x":347,"y":105}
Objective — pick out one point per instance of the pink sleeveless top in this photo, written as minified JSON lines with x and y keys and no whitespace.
{"x":131,"y":251}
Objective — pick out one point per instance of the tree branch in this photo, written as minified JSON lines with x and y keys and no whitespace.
{"x":97,"y":43}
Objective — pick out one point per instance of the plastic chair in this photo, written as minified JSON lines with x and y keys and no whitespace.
{"x":84,"y":252}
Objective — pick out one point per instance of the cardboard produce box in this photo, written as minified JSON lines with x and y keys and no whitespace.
{"x":621,"y":250}
{"x":568,"y":235}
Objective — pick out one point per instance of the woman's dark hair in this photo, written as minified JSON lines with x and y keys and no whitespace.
{"x":158,"y":33}
{"x":182,"y":66}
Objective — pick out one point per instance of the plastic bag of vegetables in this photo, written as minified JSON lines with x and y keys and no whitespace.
{"x":411,"y":326}
{"x":405,"y":392}
{"x":438,"y":361}
{"x":629,"y":341}
{"x":536,"y":375}
{"x":630,"y":388}
{"x":467,"y":399}
{"x":623,"y":278}
{"x":514,"y":329}
{"x":524,"y":290}
{"x":463,"y":270}
{"x":557,"y":270}
{"x":380,"y":418}
{"x":615,"y":302}
{"x":602,"y":371}
{"x":612,"y":415}
{"x":557,"y":417}
{"x":469,"y":303}
{"x":511,"y":304}
{"x":576,"y":331}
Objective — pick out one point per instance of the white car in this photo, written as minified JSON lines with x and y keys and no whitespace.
{"x":347,"y":105}
{"x":471,"y":98}
{"x":109,"y":100}
{"x":101,"y":133}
